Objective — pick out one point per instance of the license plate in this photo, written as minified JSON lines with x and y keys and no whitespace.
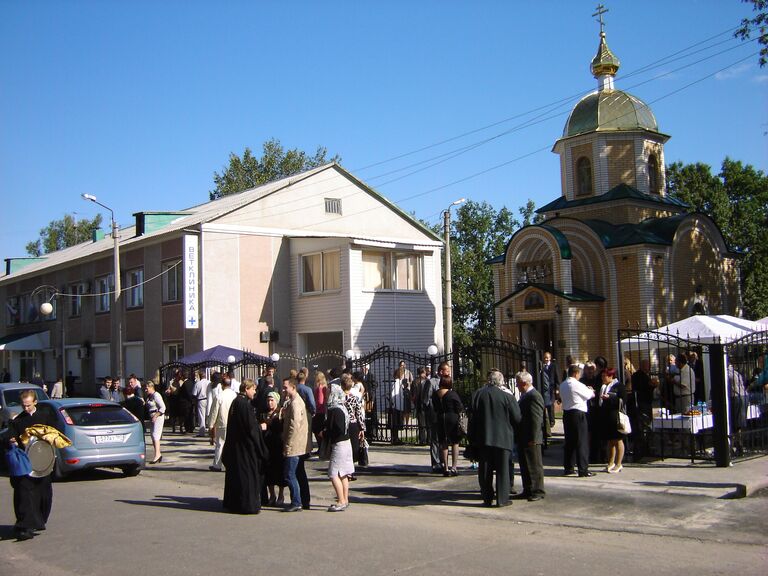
{"x":110,"y":438}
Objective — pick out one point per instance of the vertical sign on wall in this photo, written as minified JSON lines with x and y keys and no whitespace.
{"x":191,"y":316}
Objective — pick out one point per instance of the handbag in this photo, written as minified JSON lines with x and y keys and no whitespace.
{"x":17,"y":461}
{"x":324,"y":450}
{"x":622,"y":424}
{"x":463,"y":424}
{"x":362,"y":453}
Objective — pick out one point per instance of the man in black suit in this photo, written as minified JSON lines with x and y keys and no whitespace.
{"x":491,"y":431}
{"x":529,"y":438}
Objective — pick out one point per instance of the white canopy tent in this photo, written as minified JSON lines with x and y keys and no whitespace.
{"x":721,"y":329}
{"x":700,"y":329}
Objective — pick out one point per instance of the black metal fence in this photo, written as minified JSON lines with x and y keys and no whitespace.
{"x":695,"y":398}
{"x":394,"y":413}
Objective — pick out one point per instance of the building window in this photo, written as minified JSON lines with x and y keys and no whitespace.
{"x":583,"y":177}
{"x":12,"y":312}
{"x":333,"y":205}
{"x":105,"y":287}
{"x":407,"y":271}
{"x":320,"y":272}
{"x":533,"y":301}
{"x":75,"y":300}
{"x":388,"y":270}
{"x":173,"y":282}
{"x":134,"y":291}
{"x":653,"y":174}
{"x":173,"y":351}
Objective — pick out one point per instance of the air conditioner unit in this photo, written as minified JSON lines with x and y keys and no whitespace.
{"x":83,"y":353}
{"x":264,"y":336}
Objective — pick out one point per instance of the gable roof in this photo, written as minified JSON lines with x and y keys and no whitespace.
{"x":620,"y":192}
{"x":199,"y":214}
{"x":577,"y":295}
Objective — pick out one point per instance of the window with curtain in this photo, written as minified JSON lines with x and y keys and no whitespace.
{"x":331,"y":271}
{"x":312,"y":269}
{"x":392,"y":270}
{"x":376,"y":271}
{"x":320,"y":272}
{"x":407,"y":272}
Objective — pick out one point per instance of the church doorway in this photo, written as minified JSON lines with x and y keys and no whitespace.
{"x":537,"y":334}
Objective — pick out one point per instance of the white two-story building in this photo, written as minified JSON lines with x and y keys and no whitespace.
{"x":317,"y":261}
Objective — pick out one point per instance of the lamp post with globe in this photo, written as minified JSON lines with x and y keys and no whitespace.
{"x":49,"y":295}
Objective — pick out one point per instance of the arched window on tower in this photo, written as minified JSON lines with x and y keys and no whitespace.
{"x":583,"y":177}
{"x":653,"y":174}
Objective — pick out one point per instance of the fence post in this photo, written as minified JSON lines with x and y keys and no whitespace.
{"x":719,"y":395}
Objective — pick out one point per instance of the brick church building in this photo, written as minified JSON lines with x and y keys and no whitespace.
{"x":614,"y":249}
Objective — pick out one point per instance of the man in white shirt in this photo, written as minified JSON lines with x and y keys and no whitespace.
{"x":200,"y":392}
{"x":684,"y":386}
{"x":234,"y":384}
{"x":574,"y":396}
{"x":217,"y":422}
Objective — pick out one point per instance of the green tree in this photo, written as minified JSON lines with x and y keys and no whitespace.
{"x":758,"y":23}
{"x":60,"y":234}
{"x":737,"y":200}
{"x":478,"y":232}
{"x":246,"y":172}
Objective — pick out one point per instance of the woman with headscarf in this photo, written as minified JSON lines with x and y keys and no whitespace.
{"x":341,"y":465}
{"x":273,"y":437}
{"x":243,"y":455}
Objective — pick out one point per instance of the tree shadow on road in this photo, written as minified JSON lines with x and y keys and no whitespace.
{"x":180,"y":503}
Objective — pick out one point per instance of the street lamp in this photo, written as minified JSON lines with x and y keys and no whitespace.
{"x":46,"y":309}
{"x":349,"y":354}
{"x":447,"y":297}
{"x":117,"y":313}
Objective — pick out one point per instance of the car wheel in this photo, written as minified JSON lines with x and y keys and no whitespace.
{"x":133,"y":470}
{"x":58,"y":474}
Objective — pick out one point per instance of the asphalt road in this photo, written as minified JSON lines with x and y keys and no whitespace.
{"x":169,"y":521}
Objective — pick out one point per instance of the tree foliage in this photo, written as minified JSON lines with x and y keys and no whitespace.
{"x":60,"y":234}
{"x":758,"y":23}
{"x":478,"y":232}
{"x":246,"y":172}
{"x":737,"y":200}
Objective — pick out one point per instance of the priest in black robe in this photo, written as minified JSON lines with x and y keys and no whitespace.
{"x":244,"y":455}
{"x":32,"y":497}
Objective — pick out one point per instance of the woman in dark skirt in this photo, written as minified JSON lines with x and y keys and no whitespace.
{"x":273,"y":437}
{"x":612,"y":394}
{"x":448,"y":407}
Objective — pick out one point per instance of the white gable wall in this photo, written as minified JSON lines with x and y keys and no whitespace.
{"x":301,"y":207}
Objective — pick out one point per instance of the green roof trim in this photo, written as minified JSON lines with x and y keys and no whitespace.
{"x":620,"y":192}
{"x":562,"y":241}
{"x":13,"y":265}
{"x":577,"y":295}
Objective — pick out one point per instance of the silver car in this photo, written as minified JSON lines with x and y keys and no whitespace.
{"x":10,"y":401}
{"x":103,"y":434}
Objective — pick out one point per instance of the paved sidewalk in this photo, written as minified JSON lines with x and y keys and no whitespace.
{"x":406,"y":470}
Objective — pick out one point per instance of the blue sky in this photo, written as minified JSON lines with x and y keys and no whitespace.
{"x":140,"y":102}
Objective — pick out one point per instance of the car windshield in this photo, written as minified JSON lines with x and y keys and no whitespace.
{"x":99,"y":415}
{"x":13,"y":397}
